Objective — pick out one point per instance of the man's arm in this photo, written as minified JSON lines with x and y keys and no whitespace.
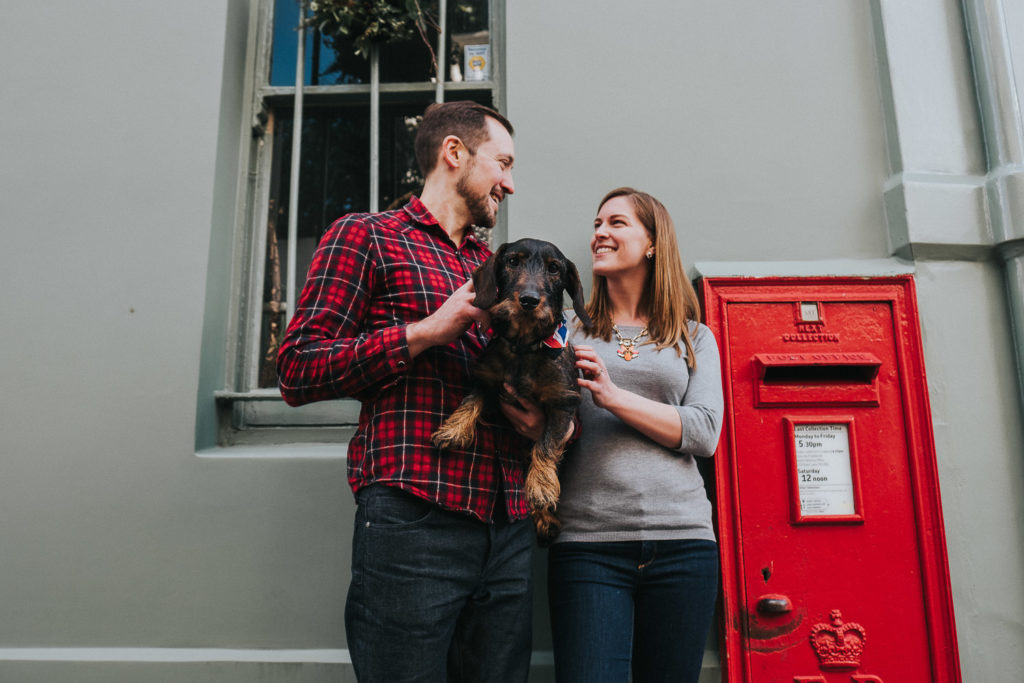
{"x":323,"y":354}
{"x":327,"y":352}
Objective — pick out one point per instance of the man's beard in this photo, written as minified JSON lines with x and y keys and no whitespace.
{"x":479,"y":206}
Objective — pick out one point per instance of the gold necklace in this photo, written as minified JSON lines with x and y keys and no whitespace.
{"x":628,"y":350}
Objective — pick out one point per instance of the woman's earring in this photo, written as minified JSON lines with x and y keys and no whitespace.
{"x":650,"y":254}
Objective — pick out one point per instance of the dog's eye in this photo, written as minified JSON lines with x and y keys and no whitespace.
{"x":553,"y":268}
{"x":512,"y":261}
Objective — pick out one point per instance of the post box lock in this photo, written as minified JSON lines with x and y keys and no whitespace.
{"x":774,"y":604}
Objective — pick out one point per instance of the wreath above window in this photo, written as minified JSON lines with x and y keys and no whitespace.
{"x":369,"y":22}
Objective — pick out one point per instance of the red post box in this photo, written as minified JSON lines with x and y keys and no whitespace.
{"x":829,"y":517}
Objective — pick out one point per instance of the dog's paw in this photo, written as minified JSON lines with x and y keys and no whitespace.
{"x":454,"y":434}
{"x":459,"y":430}
{"x":542,"y":485}
{"x":547,"y":525}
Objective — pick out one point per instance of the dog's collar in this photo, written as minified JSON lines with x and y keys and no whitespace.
{"x":550,"y":351}
{"x":552,"y":346}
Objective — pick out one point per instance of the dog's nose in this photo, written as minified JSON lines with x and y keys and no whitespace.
{"x":528,"y":302}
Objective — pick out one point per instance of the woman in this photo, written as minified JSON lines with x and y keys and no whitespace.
{"x":633,"y":576}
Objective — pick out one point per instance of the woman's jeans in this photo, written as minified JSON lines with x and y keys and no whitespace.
{"x":645,"y":603}
{"x":437,"y":596}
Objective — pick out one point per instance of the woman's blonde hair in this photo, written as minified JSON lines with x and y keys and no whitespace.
{"x":668,"y":299}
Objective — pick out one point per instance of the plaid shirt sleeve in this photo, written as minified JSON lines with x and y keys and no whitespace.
{"x":327,"y":353}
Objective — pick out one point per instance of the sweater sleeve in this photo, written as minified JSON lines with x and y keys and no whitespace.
{"x":702,"y":408}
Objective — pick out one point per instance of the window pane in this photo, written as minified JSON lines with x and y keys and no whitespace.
{"x":333,"y":181}
{"x":330,"y":61}
{"x":336,"y":62}
{"x":399,"y":173}
{"x":413,"y":60}
{"x":333,"y":174}
{"x":468,"y":22}
{"x":409,"y":61}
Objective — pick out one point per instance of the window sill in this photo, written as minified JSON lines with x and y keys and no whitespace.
{"x":262,"y":418}
{"x":265,"y":451}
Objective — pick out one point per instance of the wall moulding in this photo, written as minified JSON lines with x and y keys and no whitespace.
{"x":938,"y":217}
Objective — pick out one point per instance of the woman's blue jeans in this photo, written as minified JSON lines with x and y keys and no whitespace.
{"x":640,"y":606}
{"x":437,"y":596}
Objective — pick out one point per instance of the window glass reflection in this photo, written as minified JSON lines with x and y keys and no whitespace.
{"x":331,"y":60}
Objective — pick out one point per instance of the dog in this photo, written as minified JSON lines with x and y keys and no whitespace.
{"x":522,"y":285}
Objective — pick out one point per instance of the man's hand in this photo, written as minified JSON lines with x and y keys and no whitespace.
{"x":448,"y":322}
{"x":526,"y":417}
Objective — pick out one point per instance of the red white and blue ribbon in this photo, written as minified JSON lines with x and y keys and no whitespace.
{"x":560,"y":339}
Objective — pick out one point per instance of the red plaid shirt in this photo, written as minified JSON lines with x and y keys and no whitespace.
{"x":371,"y":276}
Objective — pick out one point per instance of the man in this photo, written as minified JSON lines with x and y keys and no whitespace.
{"x":441,"y":579}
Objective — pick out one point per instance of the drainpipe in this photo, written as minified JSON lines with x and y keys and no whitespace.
{"x":1003,"y":132}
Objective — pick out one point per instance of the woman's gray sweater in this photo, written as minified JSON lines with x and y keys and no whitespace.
{"x":619,"y":485}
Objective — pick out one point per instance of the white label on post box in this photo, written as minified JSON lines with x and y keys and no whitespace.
{"x":823,"y":469}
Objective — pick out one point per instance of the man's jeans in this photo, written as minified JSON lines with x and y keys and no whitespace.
{"x":646,"y":602}
{"x":437,"y":596}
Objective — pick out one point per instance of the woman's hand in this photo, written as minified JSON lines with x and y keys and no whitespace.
{"x":595,"y":377}
{"x":658,"y":421}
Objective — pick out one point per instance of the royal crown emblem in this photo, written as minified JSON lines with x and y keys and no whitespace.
{"x":838,"y":645}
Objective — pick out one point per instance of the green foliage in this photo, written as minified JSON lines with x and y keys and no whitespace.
{"x":366,"y":22}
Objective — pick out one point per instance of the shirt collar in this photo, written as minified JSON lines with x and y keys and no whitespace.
{"x":422,"y":216}
{"x":419,"y":212}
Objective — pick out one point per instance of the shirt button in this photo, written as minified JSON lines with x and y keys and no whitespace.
{"x":401,"y":364}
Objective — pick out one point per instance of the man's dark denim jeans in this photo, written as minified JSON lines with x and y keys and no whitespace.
{"x":649,"y":603}
{"x":437,"y":596}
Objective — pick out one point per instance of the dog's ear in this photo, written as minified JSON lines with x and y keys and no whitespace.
{"x":485,"y":280}
{"x":575,"y":289}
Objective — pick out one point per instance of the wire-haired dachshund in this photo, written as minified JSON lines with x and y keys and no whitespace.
{"x":521,"y":286}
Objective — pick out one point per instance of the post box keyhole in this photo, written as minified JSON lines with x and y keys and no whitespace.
{"x":766,"y":573}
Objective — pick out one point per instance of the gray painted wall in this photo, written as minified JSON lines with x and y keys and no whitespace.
{"x":733,"y":113}
{"x":796,"y":137}
{"x":120,"y":145}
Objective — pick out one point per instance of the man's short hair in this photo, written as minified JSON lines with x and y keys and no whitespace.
{"x":464,"y":119}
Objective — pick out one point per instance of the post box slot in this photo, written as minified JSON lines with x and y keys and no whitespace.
{"x":814,"y":378}
{"x":820,"y":374}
